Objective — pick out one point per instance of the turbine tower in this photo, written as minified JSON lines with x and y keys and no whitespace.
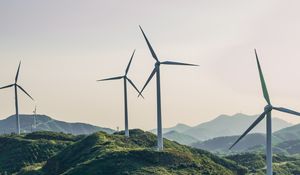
{"x":125,"y":79}
{"x":266,"y":113}
{"x":34,"y":118}
{"x":156,"y":71}
{"x":16,"y":87}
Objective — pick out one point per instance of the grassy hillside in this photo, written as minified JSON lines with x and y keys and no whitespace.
{"x":17,"y":152}
{"x":256,"y":163}
{"x":101,"y":153}
{"x":48,"y":153}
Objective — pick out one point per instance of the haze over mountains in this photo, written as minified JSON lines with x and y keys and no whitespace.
{"x":220,"y":127}
{"x":46,"y":123}
{"x":215,"y":135}
{"x":286,"y":140}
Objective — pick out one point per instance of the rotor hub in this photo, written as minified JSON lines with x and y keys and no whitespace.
{"x":268,"y":108}
{"x":157,"y":64}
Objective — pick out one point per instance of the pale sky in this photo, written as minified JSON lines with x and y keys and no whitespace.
{"x":65,"y":46}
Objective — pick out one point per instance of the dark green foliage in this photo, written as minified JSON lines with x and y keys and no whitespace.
{"x":17,"y":152}
{"x":48,"y":135}
{"x":282,"y":165}
{"x":101,"y":153}
{"x":48,"y":153}
{"x":252,"y":161}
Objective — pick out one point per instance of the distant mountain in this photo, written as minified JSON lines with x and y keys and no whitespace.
{"x":180,"y":138}
{"x":46,"y":123}
{"x":225,"y":125}
{"x":222,"y":144}
{"x":250,"y":143}
{"x":178,"y":128}
{"x":289,"y":133}
{"x":289,"y":147}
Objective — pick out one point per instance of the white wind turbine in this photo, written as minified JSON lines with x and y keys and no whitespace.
{"x":267,"y":112}
{"x":16,"y":86}
{"x":156,"y":71}
{"x":125,"y":79}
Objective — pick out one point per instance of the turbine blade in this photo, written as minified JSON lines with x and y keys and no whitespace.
{"x":177,"y":63}
{"x":150,"y":77}
{"x":262,"y":80}
{"x":133,"y":85}
{"x":286,"y":110}
{"x":17,"y":75}
{"x":251,"y":127}
{"x":127,"y":69}
{"x":113,"y":78}
{"x":25,"y":92}
{"x":149,"y":45}
{"x":8,"y":86}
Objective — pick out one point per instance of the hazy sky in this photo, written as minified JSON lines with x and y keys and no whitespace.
{"x":65,"y":46}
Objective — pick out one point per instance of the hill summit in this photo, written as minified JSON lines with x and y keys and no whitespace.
{"x":102,"y":153}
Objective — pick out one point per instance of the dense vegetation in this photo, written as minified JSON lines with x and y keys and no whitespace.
{"x":17,"y":152}
{"x":100,"y":153}
{"x":282,"y":165}
{"x":48,"y":153}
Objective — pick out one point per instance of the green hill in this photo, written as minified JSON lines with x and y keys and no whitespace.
{"x":49,"y":153}
{"x":101,"y":153}
{"x":17,"y":152}
{"x":282,"y":165}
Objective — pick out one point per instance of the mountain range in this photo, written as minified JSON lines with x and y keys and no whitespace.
{"x":226,"y":125}
{"x":215,"y":131}
{"x":222,"y":126}
{"x":47,"y":123}
{"x":286,"y":141}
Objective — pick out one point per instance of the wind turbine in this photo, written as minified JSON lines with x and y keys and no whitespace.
{"x":16,"y":86}
{"x":125,"y":79}
{"x":34,"y":118}
{"x":156,"y":71}
{"x":267,"y":112}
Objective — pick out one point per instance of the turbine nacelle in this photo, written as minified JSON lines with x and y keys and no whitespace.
{"x":157,"y":64}
{"x":268,"y":108}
